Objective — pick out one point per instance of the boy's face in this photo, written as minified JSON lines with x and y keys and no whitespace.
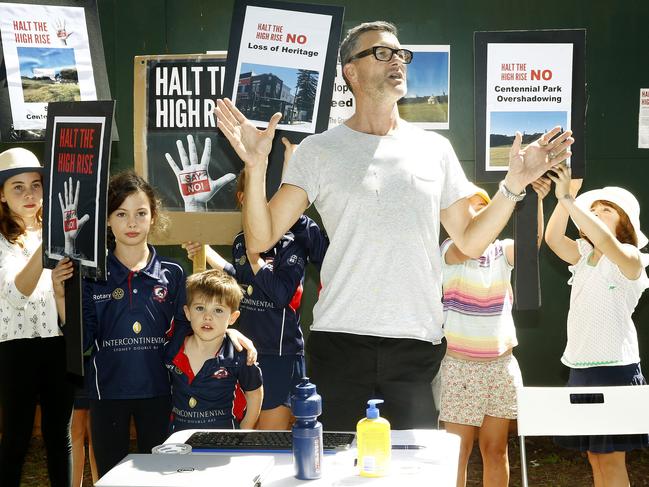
{"x":209,"y":318}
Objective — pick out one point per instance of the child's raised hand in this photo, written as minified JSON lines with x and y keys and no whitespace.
{"x":192,"y":248}
{"x":542,"y":186}
{"x":289,"y":148}
{"x":575,"y":186}
{"x":560,"y":174}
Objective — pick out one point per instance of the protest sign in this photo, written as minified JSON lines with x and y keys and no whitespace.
{"x":282,"y":58}
{"x":50,"y":51}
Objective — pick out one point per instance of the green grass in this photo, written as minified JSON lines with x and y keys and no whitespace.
{"x":499,"y":156}
{"x":423,"y":112}
{"x":38,"y":91}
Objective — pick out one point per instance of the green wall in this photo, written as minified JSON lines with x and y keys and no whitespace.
{"x":616,"y":68}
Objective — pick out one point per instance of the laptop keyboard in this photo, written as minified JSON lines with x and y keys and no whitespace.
{"x":275,"y":441}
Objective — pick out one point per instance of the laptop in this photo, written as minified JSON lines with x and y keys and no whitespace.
{"x":149,"y":470}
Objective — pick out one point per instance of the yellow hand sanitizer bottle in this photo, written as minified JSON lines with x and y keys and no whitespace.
{"x":373,"y":441}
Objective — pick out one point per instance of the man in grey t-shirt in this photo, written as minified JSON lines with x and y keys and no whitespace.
{"x":382,"y":188}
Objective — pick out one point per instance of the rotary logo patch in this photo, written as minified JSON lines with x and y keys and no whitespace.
{"x":118,"y":293}
{"x":222,"y":373}
{"x":159,"y":293}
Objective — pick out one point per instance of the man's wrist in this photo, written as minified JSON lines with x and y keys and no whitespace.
{"x":513,"y":184}
{"x":256,"y":162}
{"x":510,"y":194}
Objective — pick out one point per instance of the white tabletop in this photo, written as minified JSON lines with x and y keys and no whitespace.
{"x":438,"y":461}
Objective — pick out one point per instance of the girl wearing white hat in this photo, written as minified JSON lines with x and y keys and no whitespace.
{"x":32,"y":350}
{"x":608,"y":278}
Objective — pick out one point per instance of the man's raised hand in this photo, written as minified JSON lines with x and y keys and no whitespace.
{"x":251,"y":144}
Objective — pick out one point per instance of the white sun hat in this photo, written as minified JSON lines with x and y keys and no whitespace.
{"x":17,"y":161}
{"x":622,"y":198}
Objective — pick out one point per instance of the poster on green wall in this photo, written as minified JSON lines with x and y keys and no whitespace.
{"x":50,"y":51}
{"x":177,"y":147}
{"x":528,"y":82}
{"x":427,"y":102}
{"x":282,"y":58}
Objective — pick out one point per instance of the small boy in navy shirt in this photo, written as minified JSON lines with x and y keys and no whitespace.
{"x":203,"y":363}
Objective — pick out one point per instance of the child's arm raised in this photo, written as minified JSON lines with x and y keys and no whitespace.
{"x":214,"y":259}
{"x":254,"y":399}
{"x":555,"y":233}
{"x":280,"y":280}
{"x":626,"y":257}
{"x":542,"y":187}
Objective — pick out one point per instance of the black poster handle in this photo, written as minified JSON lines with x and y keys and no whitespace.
{"x":74,"y":321}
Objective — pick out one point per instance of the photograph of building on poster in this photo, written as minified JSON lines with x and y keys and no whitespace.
{"x":264,"y":90}
{"x":426,"y":103}
{"x":48,"y":74}
{"x":503,"y":127}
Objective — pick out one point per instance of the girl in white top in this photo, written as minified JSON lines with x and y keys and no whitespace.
{"x":32,"y":350}
{"x":608,"y":278}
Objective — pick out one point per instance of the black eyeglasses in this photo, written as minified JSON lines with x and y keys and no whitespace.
{"x":385,"y":53}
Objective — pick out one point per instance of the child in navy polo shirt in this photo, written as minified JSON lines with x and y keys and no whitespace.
{"x":203,"y":363}
{"x":270,"y":309}
{"x":127,"y":321}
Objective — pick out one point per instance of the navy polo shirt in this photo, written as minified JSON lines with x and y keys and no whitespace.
{"x":205,"y":400}
{"x":127,"y":320}
{"x":270,"y":308}
{"x":311,"y":237}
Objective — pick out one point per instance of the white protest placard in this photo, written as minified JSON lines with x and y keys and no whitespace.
{"x":47,"y":57}
{"x":643,"y":119}
{"x":529,"y":89}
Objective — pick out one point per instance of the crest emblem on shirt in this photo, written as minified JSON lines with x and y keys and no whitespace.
{"x":192,"y":402}
{"x":118,"y":293}
{"x":292,"y":259}
{"x":222,"y":373}
{"x":242,"y":260}
{"x":249,"y":290}
{"x":159,"y":293}
{"x":137,"y":327}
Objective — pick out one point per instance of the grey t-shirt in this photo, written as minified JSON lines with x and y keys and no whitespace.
{"x":379,"y":198}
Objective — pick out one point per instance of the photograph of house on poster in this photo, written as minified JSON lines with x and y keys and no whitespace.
{"x":265,"y":90}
